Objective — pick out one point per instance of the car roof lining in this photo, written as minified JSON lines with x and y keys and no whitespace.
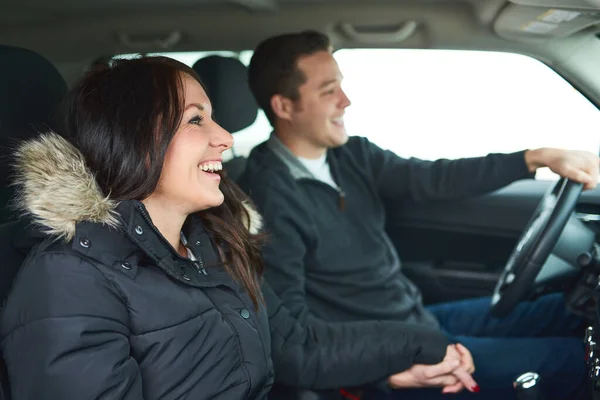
{"x":64,"y":30}
{"x":74,"y":33}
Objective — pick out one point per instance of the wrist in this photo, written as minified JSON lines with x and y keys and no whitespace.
{"x":534,"y":159}
{"x":401,"y":380}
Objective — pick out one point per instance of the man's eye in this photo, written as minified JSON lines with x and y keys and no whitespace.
{"x":197,"y":120}
{"x":329,"y":92}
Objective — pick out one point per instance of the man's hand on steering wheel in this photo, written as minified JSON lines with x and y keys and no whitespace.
{"x":578,"y":166}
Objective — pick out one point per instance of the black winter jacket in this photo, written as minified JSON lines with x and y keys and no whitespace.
{"x":105,"y":308}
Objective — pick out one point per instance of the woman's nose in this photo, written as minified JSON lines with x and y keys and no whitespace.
{"x":222,"y":138}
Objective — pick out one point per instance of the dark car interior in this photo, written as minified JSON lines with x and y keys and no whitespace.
{"x":530,"y":238}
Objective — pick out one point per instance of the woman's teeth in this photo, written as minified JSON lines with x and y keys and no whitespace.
{"x":212,"y":166}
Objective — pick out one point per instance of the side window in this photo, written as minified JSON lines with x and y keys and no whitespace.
{"x":435,"y":104}
{"x":246,"y":139}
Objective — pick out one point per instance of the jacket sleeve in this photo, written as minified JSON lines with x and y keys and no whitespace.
{"x":65,"y":334}
{"x":396,"y":177}
{"x":315,"y":354}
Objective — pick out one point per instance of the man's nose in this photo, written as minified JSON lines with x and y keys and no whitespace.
{"x":345,"y":101}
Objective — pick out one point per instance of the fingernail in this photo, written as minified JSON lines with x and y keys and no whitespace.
{"x":475,"y":388}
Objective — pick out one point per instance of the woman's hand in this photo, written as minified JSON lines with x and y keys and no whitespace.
{"x":464,"y":372}
{"x":453,"y":373}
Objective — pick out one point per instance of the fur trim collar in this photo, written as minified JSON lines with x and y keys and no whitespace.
{"x":58,"y":190}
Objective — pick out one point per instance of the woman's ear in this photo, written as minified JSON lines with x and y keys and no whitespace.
{"x":282,"y":107}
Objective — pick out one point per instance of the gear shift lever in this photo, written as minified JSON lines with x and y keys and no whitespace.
{"x":527,"y":387}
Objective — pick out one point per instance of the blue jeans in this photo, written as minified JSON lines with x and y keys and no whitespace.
{"x":539,"y":336}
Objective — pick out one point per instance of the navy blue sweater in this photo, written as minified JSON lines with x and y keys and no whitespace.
{"x":328,"y":255}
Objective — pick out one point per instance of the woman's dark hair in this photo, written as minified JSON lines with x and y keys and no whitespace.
{"x":122,"y":116}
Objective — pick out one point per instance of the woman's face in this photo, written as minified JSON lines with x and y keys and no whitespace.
{"x":189,"y":179}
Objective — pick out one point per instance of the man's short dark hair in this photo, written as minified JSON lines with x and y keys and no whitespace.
{"x":274,"y":66}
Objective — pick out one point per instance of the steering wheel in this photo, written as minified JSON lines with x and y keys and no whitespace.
{"x":535,"y":245}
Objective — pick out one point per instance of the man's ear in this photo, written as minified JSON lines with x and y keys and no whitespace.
{"x":282,"y":106}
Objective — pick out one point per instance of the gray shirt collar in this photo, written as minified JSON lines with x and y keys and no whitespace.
{"x":297,"y":169}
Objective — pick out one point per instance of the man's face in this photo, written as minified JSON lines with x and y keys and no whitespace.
{"x":318,"y":114}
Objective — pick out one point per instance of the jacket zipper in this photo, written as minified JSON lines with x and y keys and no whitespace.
{"x":198,"y":265}
{"x":333,"y":168}
{"x":341,"y":198}
{"x":338,"y":189}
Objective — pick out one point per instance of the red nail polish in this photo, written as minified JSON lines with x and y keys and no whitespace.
{"x":476,"y":388}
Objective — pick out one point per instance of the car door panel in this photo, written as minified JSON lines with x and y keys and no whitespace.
{"x":457,"y":249}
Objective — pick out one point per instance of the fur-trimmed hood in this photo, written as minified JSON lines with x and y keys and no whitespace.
{"x":58,"y":191}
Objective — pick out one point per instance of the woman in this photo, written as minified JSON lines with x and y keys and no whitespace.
{"x":147,"y":286}
{"x":144,"y":284}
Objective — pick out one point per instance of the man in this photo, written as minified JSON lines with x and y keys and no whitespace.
{"x":322,"y":195}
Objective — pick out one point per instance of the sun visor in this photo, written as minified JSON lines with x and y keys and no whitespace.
{"x":530,"y":24}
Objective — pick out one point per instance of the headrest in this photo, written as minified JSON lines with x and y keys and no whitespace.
{"x":30,"y":90}
{"x":226,"y":82}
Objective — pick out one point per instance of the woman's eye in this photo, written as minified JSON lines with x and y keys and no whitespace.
{"x":197,"y":120}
